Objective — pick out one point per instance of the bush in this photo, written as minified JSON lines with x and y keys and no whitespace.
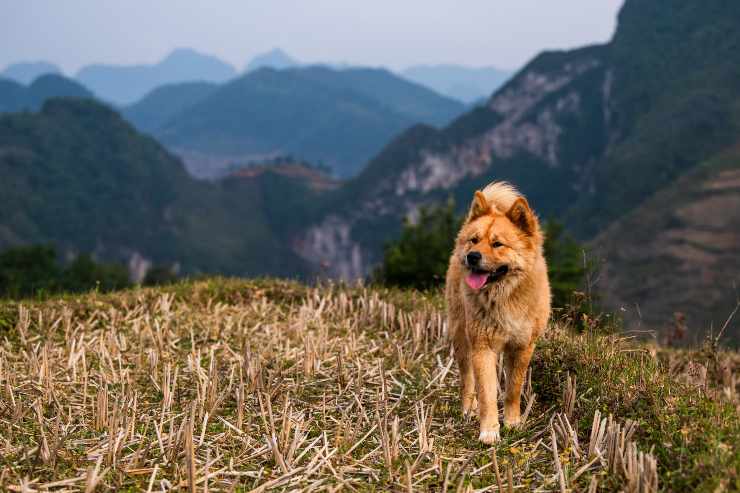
{"x":34,"y":271}
{"x":420,"y":256}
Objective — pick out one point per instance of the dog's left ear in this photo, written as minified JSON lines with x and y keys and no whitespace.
{"x":522,"y":216}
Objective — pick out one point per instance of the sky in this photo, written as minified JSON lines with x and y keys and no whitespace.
{"x":391,"y":33}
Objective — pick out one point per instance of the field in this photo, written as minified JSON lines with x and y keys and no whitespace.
{"x":229,"y":385}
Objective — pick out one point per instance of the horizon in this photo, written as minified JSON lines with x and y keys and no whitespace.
{"x":478,"y":36}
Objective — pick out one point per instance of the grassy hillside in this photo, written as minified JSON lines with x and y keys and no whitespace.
{"x":230,"y":384}
{"x":338,"y":117}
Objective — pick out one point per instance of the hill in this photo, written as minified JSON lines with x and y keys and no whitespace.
{"x":15,"y":97}
{"x":587,"y":134}
{"x":162,"y":104}
{"x":466,"y":84}
{"x":338,"y":117}
{"x":275,"y":58}
{"x":682,"y":244}
{"x":27,"y":72}
{"x":121,"y":84}
{"x":80,"y":177}
{"x":225,"y":384}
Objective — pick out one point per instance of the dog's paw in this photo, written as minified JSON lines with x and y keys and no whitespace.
{"x":470,"y":407}
{"x":513,"y":421}
{"x":489,"y":437}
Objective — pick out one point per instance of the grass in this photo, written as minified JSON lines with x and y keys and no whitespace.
{"x":228,"y":385}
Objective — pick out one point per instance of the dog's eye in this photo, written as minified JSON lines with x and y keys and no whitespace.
{"x":474,"y":240}
{"x":497,"y":244}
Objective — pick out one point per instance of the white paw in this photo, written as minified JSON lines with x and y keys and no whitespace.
{"x":489,"y":437}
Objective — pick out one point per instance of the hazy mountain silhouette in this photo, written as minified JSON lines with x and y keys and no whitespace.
{"x":338,"y":117}
{"x":123,"y":84}
{"x":27,"y":72}
{"x":163,"y":103}
{"x":17,"y":97}
{"x":467,"y":84}
{"x":275,"y":58}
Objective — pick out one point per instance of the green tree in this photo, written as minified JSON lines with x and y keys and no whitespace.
{"x":28,"y":270}
{"x":84,"y":274}
{"x":420,"y":256}
{"x":566,"y":265}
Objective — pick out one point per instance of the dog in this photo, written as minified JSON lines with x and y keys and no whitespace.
{"x":498,"y":301}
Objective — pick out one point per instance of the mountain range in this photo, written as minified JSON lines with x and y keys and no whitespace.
{"x":633,"y":143}
{"x":340,"y":118}
{"x":589,"y":135}
{"x":126,"y":84}
{"x":27,"y":72}
{"x":16,"y":97}
{"x":466,"y":84}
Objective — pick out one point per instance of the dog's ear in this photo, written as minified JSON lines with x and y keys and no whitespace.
{"x":478,"y":207}
{"x":522,"y":216}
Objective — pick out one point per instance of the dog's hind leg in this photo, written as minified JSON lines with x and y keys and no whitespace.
{"x":516,"y":362}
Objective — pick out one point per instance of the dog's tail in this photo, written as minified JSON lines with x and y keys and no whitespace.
{"x":501,"y":195}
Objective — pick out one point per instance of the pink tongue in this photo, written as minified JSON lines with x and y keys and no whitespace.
{"x":476,"y":281}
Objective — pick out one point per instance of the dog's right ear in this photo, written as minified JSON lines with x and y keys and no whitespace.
{"x":479,"y":207}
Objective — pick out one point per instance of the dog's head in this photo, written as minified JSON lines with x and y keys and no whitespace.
{"x":497,"y":248}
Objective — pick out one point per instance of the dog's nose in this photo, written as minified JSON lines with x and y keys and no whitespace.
{"x":473,"y":258}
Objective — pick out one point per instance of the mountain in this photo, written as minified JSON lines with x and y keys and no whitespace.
{"x":16,"y":97}
{"x":275,"y":58}
{"x":338,"y":117}
{"x":27,"y":72}
{"x":466,"y":84}
{"x":161,"y":104}
{"x":79,"y":176}
{"x":122,"y":84}
{"x":588,"y":135}
{"x":682,"y":245}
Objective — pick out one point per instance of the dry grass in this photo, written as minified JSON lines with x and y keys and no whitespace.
{"x":256,"y":386}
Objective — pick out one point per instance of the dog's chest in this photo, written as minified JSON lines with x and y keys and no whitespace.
{"x":502,"y":326}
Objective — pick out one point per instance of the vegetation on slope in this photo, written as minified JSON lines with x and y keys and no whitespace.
{"x":162,"y":104}
{"x":270,"y":384}
{"x":682,"y":244}
{"x":77,"y":176}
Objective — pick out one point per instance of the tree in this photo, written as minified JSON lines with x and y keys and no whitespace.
{"x":420,"y":256}
{"x":566,"y":266}
{"x":28,"y":270}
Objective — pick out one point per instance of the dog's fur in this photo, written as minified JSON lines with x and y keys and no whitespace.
{"x":508,"y":313}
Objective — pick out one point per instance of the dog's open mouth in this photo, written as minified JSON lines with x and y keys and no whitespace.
{"x":478,"y":278}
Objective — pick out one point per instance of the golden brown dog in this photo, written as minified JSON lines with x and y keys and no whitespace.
{"x":498,"y":300}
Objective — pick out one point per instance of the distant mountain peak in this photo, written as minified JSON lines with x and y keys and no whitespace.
{"x":124,"y":84}
{"x":275,"y":58}
{"x":27,"y":72}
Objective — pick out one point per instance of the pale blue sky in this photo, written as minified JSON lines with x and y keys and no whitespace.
{"x":393,"y":33}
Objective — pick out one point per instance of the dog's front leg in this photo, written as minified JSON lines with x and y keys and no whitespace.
{"x":516,"y":364}
{"x":484,"y":366}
